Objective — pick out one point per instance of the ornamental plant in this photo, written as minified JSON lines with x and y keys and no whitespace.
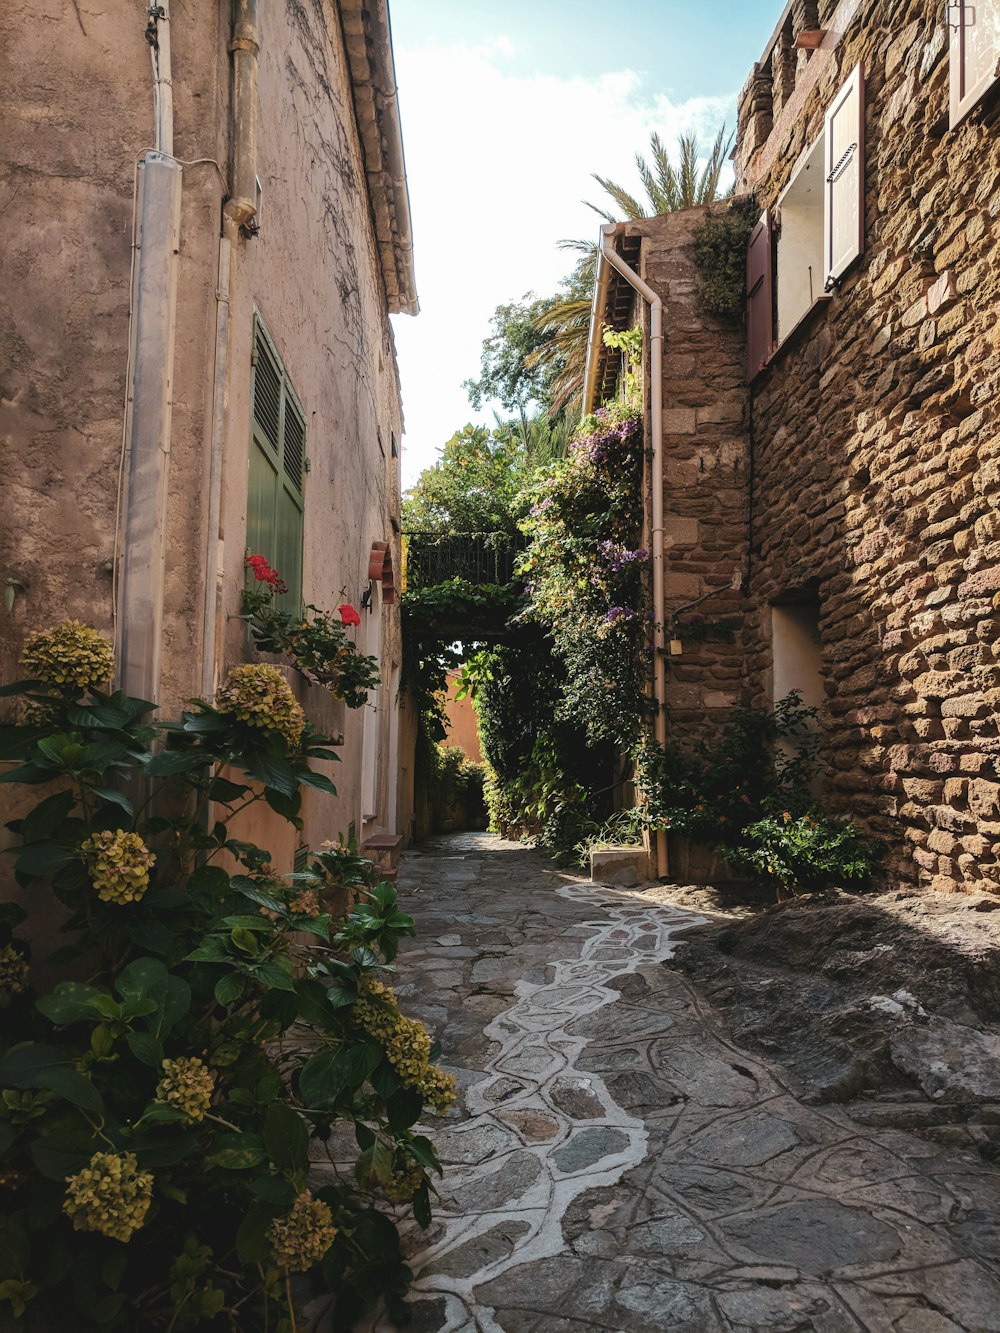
{"x":159,"y":1120}
{"x":583,"y":571}
{"x":804,"y":854}
{"x":316,"y":642}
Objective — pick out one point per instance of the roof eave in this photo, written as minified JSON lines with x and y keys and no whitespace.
{"x":368,"y":39}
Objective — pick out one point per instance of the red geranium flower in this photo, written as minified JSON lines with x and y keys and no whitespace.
{"x":348,"y":614}
{"x":263,"y":573}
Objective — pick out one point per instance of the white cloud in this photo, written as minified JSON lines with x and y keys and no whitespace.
{"x":498,"y":162}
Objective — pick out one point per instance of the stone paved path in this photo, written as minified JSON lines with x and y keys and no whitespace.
{"x":619,"y":1164}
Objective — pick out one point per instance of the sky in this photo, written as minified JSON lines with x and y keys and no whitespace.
{"x":507,"y":107}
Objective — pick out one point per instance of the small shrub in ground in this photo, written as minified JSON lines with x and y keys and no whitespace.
{"x":457,"y":791}
{"x":805,"y":853}
{"x":158,"y":1120}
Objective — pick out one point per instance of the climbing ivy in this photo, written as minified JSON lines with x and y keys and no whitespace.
{"x":584,"y":572}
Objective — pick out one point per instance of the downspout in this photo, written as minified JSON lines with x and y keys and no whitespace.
{"x":239,"y":211}
{"x":611,"y":256}
{"x":241,"y":205}
{"x":148,"y":410}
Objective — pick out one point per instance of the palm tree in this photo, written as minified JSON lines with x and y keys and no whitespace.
{"x":566,"y":324}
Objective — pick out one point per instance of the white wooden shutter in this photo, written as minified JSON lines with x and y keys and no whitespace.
{"x":974,"y":52}
{"x":844,"y":178}
{"x":760,"y":298}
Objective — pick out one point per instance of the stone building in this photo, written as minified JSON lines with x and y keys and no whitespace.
{"x":206,"y":228}
{"x":830,"y":469}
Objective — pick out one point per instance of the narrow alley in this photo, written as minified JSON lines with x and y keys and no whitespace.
{"x":617,"y":1163}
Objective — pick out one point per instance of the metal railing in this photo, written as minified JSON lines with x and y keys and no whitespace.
{"x":475,"y":557}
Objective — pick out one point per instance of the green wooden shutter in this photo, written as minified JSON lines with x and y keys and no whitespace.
{"x":275,"y":501}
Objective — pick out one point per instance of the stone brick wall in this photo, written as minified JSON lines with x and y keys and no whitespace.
{"x":705,"y":482}
{"x":876,"y":452}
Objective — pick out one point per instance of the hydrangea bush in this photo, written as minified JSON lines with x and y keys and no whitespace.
{"x":163,"y":1117}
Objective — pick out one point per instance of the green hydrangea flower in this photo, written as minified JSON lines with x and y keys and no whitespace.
{"x":188,"y":1084}
{"x":259,"y":695}
{"x":302,"y":1238}
{"x":109,"y":1196}
{"x":119,"y":865}
{"x":71,"y":654}
{"x":13,"y":971}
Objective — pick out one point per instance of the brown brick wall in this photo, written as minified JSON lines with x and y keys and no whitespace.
{"x":705,"y":480}
{"x":877,"y":455}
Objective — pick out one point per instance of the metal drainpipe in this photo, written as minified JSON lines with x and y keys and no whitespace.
{"x":239,"y":210}
{"x":241,"y":206}
{"x":655,"y":304}
{"x":215,"y":554}
{"x":156,"y":244}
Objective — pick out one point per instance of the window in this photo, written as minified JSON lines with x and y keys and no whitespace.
{"x":974,"y":53}
{"x":798,"y":254}
{"x":275,"y":499}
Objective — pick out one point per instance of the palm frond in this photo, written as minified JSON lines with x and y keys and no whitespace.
{"x":629,"y":205}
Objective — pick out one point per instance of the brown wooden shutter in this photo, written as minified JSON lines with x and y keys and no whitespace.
{"x":844,"y":183}
{"x":760,"y":298}
{"x":974,"y":52}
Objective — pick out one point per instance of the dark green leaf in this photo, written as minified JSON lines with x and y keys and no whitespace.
{"x":153,"y":935}
{"x":143,"y":979}
{"x":245,"y":940}
{"x":253,"y":1244}
{"x":208,"y":884}
{"x":48,"y":817}
{"x":287,"y":807}
{"x":36,"y":1066}
{"x":374,"y":1165}
{"x":321,"y":783}
{"x":274,"y":773}
{"x":275,"y":1190}
{"x":12,"y":914}
{"x":44,"y":859}
{"x":403,"y":1109}
{"x":60,"y":1155}
{"x":422,"y":1206}
{"x":17,"y":687}
{"x":171,"y":762}
{"x":159,"y":1113}
{"x":224,"y":791}
{"x":230,"y":988}
{"x":145,"y":1047}
{"x":115,"y":797}
{"x":270,"y":974}
{"x":286,"y":1137}
{"x":70,"y":1002}
{"x":238,"y":1152}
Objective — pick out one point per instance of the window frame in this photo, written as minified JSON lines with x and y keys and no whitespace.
{"x":273,"y":455}
{"x":961,"y":100}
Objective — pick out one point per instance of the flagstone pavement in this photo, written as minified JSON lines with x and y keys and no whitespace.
{"x":619,"y":1164}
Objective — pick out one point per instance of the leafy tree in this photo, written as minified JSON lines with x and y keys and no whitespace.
{"x":473,"y":487}
{"x":507,"y":373}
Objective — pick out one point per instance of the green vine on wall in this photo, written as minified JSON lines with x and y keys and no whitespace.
{"x":720,"y":257}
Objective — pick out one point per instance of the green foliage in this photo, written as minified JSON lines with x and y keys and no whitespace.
{"x":584,"y":574}
{"x":545,"y":780}
{"x":668,"y":187}
{"x":764,"y":761}
{"x":805,"y":853}
{"x":317,"y":643}
{"x":456,"y":791}
{"x":475,"y":486}
{"x":156,"y":1120}
{"x":508,"y":373}
{"x":720,"y":256}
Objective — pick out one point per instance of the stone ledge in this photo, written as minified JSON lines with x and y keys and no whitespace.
{"x":626,"y":866}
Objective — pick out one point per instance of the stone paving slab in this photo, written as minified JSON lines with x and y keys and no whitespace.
{"x":618,"y":1163}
